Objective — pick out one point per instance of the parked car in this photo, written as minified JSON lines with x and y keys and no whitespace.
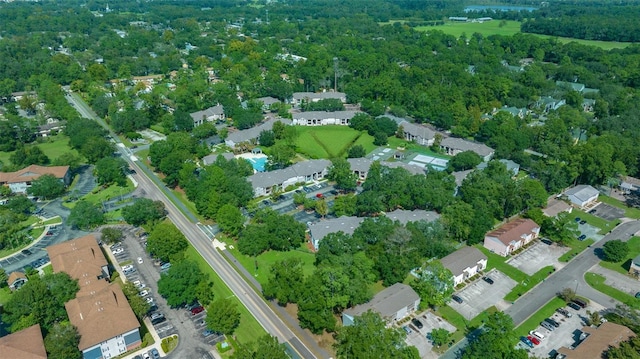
{"x":578,"y":219}
{"x":564,"y":312}
{"x":638,"y":295}
{"x":547,"y":326}
{"x":149,"y":300}
{"x":154,"y":353}
{"x":533,"y":339}
{"x":537,"y":334}
{"x":583,"y":222}
{"x":417,"y":323}
{"x":117,"y":250}
{"x":145,"y":356}
{"x":165,"y":266}
{"x":582,"y":237}
{"x":140,"y":260}
{"x":527,"y":341}
{"x":26,"y":252}
{"x":573,"y":306}
{"x":488,"y":280}
{"x":552,"y":322}
{"x":592,"y":211}
{"x":196,"y":310}
{"x":456,"y":298}
{"x":127,"y":267}
{"x":580,"y":302}
{"x":144,"y":293}
{"x":407,"y":329}
{"x":207,"y":333}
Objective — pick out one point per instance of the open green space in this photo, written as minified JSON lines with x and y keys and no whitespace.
{"x":249,"y":329}
{"x":629,"y":212}
{"x":182,"y":197}
{"x":48,"y":269}
{"x":525,"y":286}
{"x":509,"y":28}
{"x":53,"y":147}
{"x":53,"y":220}
{"x":576,"y":248}
{"x":325,"y":141}
{"x":101,"y":194}
{"x":498,"y":262}
{"x":604,"y":225}
{"x":265,"y":261}
{"x":623,"y":266}
{"x":598,"y":283}
{"x":545,"y":312}
{"x":5,"y":294}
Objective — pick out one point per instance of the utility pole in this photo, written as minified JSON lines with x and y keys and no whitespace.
{"x":335,"y":74}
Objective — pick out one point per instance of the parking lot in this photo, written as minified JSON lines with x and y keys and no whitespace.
{"x":566,"y":335}
{"x":419,"y":337}
{"x":480,"y":295}
{"x":607,"y":212}
{"x":538,"y":256}
{"x":590,"y":231}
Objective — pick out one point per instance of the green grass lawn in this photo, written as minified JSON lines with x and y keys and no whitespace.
{"x":48,"y":269}
{"x":249,"y":329}
{"x":267,"y":259}
{"x":53,"y":147}
{"x":190,"y":205}
{"x":624,"y":265}
{"x":98,"y":195}
{"x":325,"y":141}
{"x":511,"y":28}
{"x":576,"y":248}
{"x":53,"y":220}
{"x":366,"y":141}
{"x":629,"y":212}
{"x":498,"y":262}
{"x":525,"y":286}
{"x":5,"y":294}
{"x":546,"y":311}
{"x":456,"y":319}
{"x":597,"y":282}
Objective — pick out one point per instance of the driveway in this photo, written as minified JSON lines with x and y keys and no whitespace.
{"x":480,"y":295}
{"x":538,"y":256}
{"x":617,"y":280}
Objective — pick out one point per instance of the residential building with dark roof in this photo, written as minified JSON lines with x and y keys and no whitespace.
{"x":322,"y":118}
{"x":597,"y":340}
{"x":19,"y":181}
{"x":265,"y":183}
{"x":251,"y":134}
{"x":464,"y":263}
{"x":211,"y":114}
{"x":417,"y":133}
{"x":393,"y":304}
{"x":453,"y":145}
{"x":511,"y":236}
{"x":105,"y":321}
{"x":583,"y":196}
{"x":24,"y":344}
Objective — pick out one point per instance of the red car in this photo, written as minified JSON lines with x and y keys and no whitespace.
{"x":533,"y":339}
{"x":197,"y":310}
{"x":319,"y":195}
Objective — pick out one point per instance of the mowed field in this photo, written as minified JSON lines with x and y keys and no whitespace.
{"x":510,"y":28}
{"x":53,"y":148}
{"x":325,"y":141}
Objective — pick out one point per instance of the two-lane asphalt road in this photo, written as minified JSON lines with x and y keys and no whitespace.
{"x":571,"y":276}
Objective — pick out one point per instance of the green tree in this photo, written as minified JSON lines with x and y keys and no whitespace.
{"x":166,"y":242}
{"x":96,"y":148}
{"x":322,"y":208}
{"x":380,"y":139}
{"x":369,"y":336}
{"x":629,"y":349}
{"x":111,"y":235}
{"x":223,"y":316}
{"x":567,"y":294}
{"x":110,"y":170}
{"x":230,"y":219}
{"x":280,"y":156}
{"x":266,"y":347}
{"x":267,"y":138}
{"x":464,"y":161}
{"x":62,"y":342}
{"x":561,"y":229}
{"x":284,"y":281}
{"x":345,"y":205}
{"x":85,"y":215}
{"x":138,"y":304}
{"x":46,"y":187}
{"x":434,"y":284}
{"x":178,"y":285}
{"x":299,"y":198}
{"x":356,"y":151}
{"x":340,"y":172}
{"x":20,"y":204}
{"x":3,"y":278}
{"x":142,"y":211}
{"x":439,"y":336}
{"x":31,"y":155}
{"x":615,"y":250}
{"x":496,"y":341}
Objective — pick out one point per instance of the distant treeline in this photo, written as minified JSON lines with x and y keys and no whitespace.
{"x":593,"y":22}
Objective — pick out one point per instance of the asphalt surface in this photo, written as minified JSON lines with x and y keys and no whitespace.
{"x":252,"y":300}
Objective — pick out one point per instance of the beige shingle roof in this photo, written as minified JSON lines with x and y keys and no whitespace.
{"x":32,"y":172}
{"x":24,"y":344}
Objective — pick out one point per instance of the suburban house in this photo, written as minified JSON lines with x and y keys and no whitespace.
{"x":361,"y":166}
{"x":511,"y":236}
{"x":321,"y":118}
{"x":347,"y":225}
{"x":267,"y":102}
{"x":24,"y":344}
{"x":16,"y":280}
{"x":583,"y":196}
{"x":52,"y":126}
{"x":252,"y":133}
{"x":393,"y":304}
{"x":465,"y":263}
{"x":634,"y":268}
{"x":212,"y":114}
{"x":514,"y":111}
{"x":299,"y":97}
{"x":20,"y":180}
{"x":453,"y":145}
{"x":576,"y":86}
{"x":548,"y":103}
{"x":588,"y":104}
{"x":265,"y":183}
{"x":556,"y":206}
{"x":105,"y":321}
{"x":512,"y":167}
{"x":629,"y":184}
{"x":419,"y":134}
{"x":595,"y":341}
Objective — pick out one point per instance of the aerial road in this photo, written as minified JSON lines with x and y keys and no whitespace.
{"x":253,"y":301}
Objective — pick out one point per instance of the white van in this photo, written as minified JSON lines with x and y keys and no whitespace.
{"x":537,"y":334}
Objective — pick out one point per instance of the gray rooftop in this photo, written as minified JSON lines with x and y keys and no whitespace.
{"x":465,"y":145}
{"x":418,"y":130}
{"x":461,"y":259}
{"x":268,"y":100}
{"x":254,"y":132}
{"x":460,"y":176}
{"x":360,"y":164}
{"x":319,"y":95}
{"x":414,"y":170}
{"x":388,"y":302}
{"x":209,"y":159}
{"x":511,"y":166}
{"x":404,"y":216}
{"x":272,"y":178}
{"x":582,"y":192}
{"x":217,"y":110}
{"x":321,"y":115}
{"x":343,"y":224}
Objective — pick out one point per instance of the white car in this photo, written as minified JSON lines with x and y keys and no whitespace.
{"x":139,"y":260}
{"x":149,"y":300}
{"x":144,"y":293}
{"x":137,"y":283}
{"x":127,"y":268}
{"x":118,"y":251}
{"x":140,"y":285}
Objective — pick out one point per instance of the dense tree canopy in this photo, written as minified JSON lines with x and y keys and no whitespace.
{"x":166,"y":242}
{"x":142,"y":211}
{"x":270,"y":230}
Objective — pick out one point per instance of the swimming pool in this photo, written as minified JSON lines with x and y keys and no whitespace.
{"x":258,"y":164}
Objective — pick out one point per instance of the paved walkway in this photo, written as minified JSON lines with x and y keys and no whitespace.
{"x":617,"y":280}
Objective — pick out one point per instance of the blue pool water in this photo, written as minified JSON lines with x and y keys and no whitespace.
{"x":258,"y":163}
